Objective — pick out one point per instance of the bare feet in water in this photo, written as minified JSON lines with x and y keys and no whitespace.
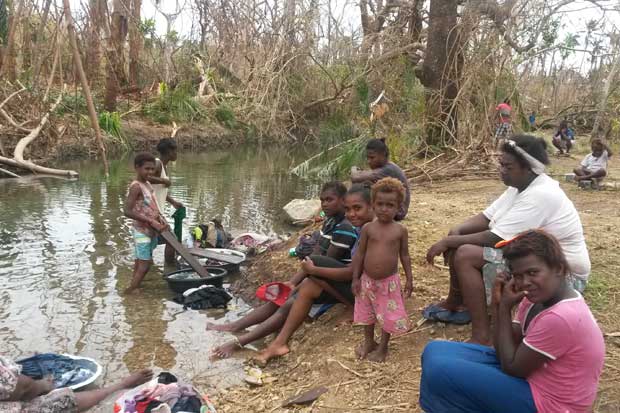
{"x":365,"y":348}
{"x":225,"y":350}
{"x":378,"y":355}
{"x":270,"y":352}
{"x":137,"y":378}
{"x":226,"y":327}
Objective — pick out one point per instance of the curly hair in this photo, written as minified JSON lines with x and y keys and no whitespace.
{"x":602,"y":144}
{"x":379,"y":146}
{"x":142,"y":158}
{"x":389,"y":186}
{"x":540,"y":244}
{"x":166,"y":145}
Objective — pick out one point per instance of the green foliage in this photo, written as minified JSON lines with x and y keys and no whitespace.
{"x":176,"y":105}
{"x":226,"y":116}
{"x":335,"y":161}
{"x":110,"y":122}
{"x":362,"y":92}
{"x":337,"y":128}
{"x":72,"y":104}
{"x":147,"y":27}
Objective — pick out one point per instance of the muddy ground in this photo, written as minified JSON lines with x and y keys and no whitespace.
{"x":322,"y":352}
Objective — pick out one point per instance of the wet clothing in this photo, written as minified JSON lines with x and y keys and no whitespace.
{"x":203,"y":298}
{"x":147,"y":206}
{"x":468,"y":378}
{"x":57,"y":401}
{"x":161,"y":191}
{"x":381,"y":301}
{"x":145,"y":245}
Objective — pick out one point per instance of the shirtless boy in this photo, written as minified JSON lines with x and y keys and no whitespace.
{"x":376,"y":282}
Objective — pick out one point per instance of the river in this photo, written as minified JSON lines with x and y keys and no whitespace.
{"x":66,"y":255}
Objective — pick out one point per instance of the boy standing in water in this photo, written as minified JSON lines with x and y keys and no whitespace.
{"x":160,"y":180}
{"x":376,"y":282}
{"x":141,"y":206}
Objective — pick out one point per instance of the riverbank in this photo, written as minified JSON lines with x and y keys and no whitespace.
{"x":322,"y":352}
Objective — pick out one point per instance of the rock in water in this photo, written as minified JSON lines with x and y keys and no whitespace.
{"x":302,"y":210}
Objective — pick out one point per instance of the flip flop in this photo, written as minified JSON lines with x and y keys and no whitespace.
{"x":432,"y":310}
{"x":453,"y":317}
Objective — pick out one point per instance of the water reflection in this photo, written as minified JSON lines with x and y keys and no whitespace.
{"x":66,"y":254}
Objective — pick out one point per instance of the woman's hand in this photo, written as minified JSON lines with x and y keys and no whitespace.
{"x":510,"y":295}
{"x":436,"y":249}
{"x":308,"y":266}
{"x":498,"y":289}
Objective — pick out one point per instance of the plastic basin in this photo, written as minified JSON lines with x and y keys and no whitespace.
{"x":179,"y":284}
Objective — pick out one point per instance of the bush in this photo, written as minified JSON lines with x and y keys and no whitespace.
{"x":176,"y":105}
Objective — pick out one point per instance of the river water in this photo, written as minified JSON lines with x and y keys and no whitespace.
{"x":66,"y":255}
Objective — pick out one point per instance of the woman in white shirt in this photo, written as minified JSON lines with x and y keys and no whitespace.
{"x":532,"y":201}
{"x":594,"y":165}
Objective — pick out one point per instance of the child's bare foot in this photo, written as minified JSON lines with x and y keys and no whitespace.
{"x":137,"y":378}
{"x":365,"y":348}
{"x":226,"y":327}
{"x":270,"y":352}
{"x":378,"y":355}
{"x":225,"y":350}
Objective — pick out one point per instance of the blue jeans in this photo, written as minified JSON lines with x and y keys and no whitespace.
{"x":467,"y":378}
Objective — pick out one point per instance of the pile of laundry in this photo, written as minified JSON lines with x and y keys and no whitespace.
{"x":203,"y":297}
{"x":164,"y":394}
{"x":67,"y":371}
{"x":252,"y":243}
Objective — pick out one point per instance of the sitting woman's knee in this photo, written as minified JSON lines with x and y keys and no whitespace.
{"x":309,"y":289}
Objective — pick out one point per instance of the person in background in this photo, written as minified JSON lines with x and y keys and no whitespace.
{"x":563,"y":138}
{"x":594,"y":165}
{"x":532,"y":120}
{"x":377,"y":155}
{"x":547,"y":358}
{"x":141,"y":206}
{"x":160,"y":180}
{"x":503,"y":113}
{"x":21,"y":394}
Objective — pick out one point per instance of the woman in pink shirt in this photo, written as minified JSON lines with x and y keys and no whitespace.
{"x":547,"y":359}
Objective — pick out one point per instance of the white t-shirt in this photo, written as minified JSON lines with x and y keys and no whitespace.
{"x":542,"y":205}
{"x":593,"y":164}
{"x":161,"y":191}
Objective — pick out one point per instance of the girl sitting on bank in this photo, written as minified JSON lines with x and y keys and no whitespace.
{"x":548,"y":359}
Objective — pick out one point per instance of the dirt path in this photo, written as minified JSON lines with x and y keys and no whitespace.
{"x":322,"y":352}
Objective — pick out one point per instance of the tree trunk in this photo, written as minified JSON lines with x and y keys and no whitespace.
{"x":600,"y":127}
{"x":440,"y":73}
{"x":94,"y":120}
{"x":135,"y":43}
{"x":94,"y":52}
{"x":36,"y":69}
{"x":7,"y":54}
{"x":116,"y":58}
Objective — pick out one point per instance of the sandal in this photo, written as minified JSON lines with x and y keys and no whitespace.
{"x":453,"y":317}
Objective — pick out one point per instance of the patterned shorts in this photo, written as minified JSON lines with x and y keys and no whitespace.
{"x":503,"y":131}
{"x":381,"y":301}
{"x":144,"y":246}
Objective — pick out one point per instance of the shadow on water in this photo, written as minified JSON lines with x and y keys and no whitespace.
{"x":66,"y":254}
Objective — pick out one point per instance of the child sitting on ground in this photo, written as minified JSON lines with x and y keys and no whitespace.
{"x":376,"y":282}
{"x":141,"y":206}
{"x":594,"y":165}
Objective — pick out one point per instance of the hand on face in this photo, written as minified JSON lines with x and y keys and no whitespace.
{"x":511,"y":296}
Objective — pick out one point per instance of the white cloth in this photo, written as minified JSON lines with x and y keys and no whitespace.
{"x":593,"y":164}
{"x":542,"y":205}
{"x":161,"y":191}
